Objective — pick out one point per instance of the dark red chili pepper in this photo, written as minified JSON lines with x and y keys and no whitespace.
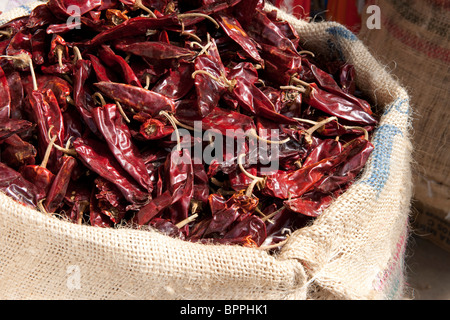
{"x":14,"y":185}
{"x":179,"y":176}
{"x":156,"y":50}
{"x":309,"y":207}
{"x":77,"y":198}
{"x":39,"y":175}
{"x":337,"y":106}
{"x":118,"y":137}
{"x":45,"y":111}
{"x":359,"y":151}
{"x":153,"y":208}
{"x":40,"y":17}
{"x":110,"y":200}
{"x":97,"y":157}
{"x":252,"y":229}
{"x":327,"y":148}
{"x":82,"y":99}
{"x":17,"y":95}
{"x":58,"y":189}
{"x":234,"y":30}
{"x":177,"y":82}
{"x":64,"y":8}
{"x":17,"y":153}
{"x":102,"y":73}
{"x":38,"y":44}
{"x":347,"y":76}
{"x":154,"y":129}
{"x":132,"y":27}
{"x":5,"y":97}
{"x":12,"y":126}
{"x":116,"y":62}
{"x":327,"y":83}
{"x":265,"y":31}
{"x":96,"y":217}
{"x":139,"y":99}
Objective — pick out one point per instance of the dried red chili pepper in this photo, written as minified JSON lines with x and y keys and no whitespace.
{"x":58,"y":189}
{"x":234,"y":30}
{"x":116,"y":62}
{"x":13,"y":126}
{"x":14,"y":185}
{"x":17,"y":153}
{"x":118,"y":137}
{"x":139,"y":99}
{"x":97,"y":157}
{"x":5,"y":97}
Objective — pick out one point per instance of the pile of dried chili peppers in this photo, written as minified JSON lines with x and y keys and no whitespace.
{"x":102,"y":112}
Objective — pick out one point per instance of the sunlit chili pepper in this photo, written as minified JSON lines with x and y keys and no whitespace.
{"x":58,"y":189}
{"x":97,"y":157}
{"x":118,"y":137}
{"x":14,"y":185}
{"x":16,"y":152}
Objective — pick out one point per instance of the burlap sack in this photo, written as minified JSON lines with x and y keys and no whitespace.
{"x":414,"y":41}
{"x":355,"y":250}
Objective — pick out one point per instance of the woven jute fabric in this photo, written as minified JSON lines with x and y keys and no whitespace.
{"x":354,"y":250}
{"x":414,"y":42}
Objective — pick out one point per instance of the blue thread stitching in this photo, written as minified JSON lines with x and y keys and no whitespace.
{"x":342,"y":33}
{"x":383,"y":142}
{"x":397,"y":105}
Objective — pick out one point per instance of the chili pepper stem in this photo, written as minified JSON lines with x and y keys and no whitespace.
{"x":59,"y":53}
{"x":186,"y":221}
{"x":273,"y":214}
{"x":317,"y":125}
{"x":100,"y":98}
{"x":138,"y":4}
{"x":196,"y":15}
{"x":366,"y":133}
{"x":119,"y":107}
{"x":274,"y":246}
{"x":307,"y":52}
{"x":188,"y":34}
{"x":255,"y":179}
{"x":48,"y":150}
{"x":254,"y":134}
{"x":77,"y":54}
{"x":172,"y":122}
{"x":27,"y":62}
{"x":229,"y":84}
{"x":41,"y":206}
{"x":299,"y":89}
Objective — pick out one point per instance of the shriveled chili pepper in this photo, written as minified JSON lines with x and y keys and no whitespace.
{"x":265,"y":31}
{"x":13,"y":126}
{"x":359,"y":151}
{"x":63,"y":8}
{"x":347,"y":76}
{"x":58,"y":189}
{"x":114,"y":61}
{"x":110,"y":200}
{"x":5,"y":97}
{"x":14,"y":185}
{"x":132,"y":27}
{"x":16,"y":152}
{"x":118,"y":137}
{"x":139,"y":99}
{"x":40,"y":17}
{"x":326,"y":82}
{"x":234,"y":30}
{"x":177,"y":83}
{"x":97,"y":157}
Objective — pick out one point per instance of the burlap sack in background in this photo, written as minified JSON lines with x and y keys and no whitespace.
{"x":414,"y":42}
{"x":355,"y":250}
